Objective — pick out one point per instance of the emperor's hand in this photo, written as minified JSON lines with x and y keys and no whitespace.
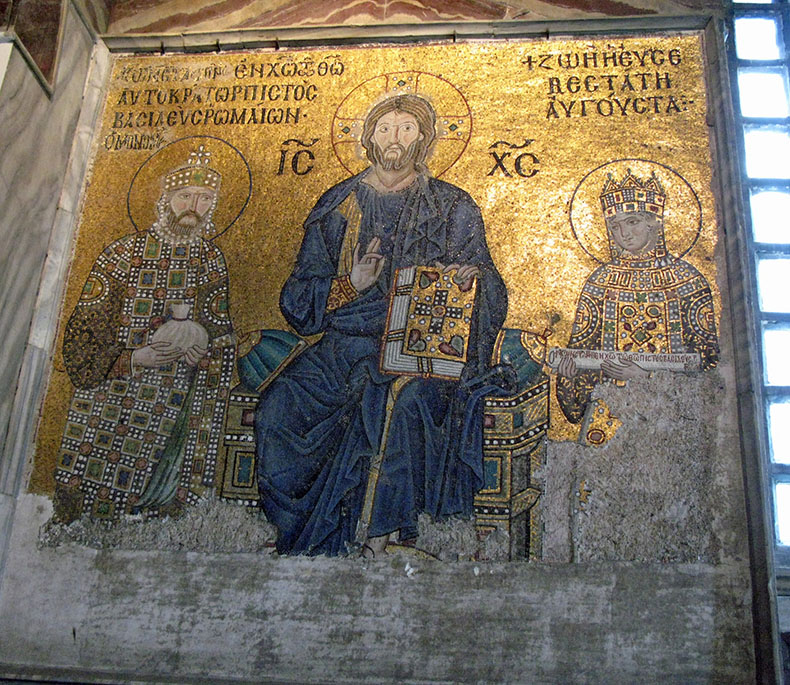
{"x":195,"y":353}
{"x":156,"y":354}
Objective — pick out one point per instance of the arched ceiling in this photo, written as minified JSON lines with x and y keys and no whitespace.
{"x":167,"y":16}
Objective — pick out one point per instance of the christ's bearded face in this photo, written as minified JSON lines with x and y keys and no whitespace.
{"x":187,"y":211}
{"x":396,"y":141}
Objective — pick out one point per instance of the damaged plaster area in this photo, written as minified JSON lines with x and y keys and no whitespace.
{"x":659,"y":489}
{"x":211,"y":525}
{"x":216,"y":526}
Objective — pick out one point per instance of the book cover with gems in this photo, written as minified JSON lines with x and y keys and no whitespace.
{"x":427,"y":330}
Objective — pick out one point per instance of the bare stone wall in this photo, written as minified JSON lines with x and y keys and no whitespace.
{"x":168,"y":616}
{"x":661,"y":489}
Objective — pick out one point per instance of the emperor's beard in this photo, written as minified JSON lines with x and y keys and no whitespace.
{"x":184,"y":227}
{"x":407,"y":157}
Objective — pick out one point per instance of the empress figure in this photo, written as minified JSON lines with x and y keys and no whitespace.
{"x":320,"y":423}
{"x":643,"y":300}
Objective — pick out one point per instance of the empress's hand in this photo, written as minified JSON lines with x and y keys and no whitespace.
{"x":156,"y":354}
{"x":623,"y":370}
{"x":194,"y":354}
{"x":464,"y":274}
{"x":567,"y":367}
{"x":366,"y":269}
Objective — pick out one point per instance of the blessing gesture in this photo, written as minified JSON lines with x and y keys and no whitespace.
{"x":367,"y":268}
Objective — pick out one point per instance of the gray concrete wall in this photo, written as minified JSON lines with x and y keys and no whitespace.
{"x":192,"y":617}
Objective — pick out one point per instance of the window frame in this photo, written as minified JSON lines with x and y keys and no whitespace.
{"x":767,"y":393}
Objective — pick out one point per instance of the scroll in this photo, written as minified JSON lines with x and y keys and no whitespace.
{"x":656,"y":361}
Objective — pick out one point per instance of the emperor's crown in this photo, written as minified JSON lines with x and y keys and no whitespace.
{"x":196,"y":172}
{"x":632,"y":195}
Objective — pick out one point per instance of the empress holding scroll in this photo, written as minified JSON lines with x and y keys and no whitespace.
{"x":644,"y":302}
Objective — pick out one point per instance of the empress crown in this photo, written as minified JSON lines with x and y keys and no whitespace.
{"x":632,"y":195}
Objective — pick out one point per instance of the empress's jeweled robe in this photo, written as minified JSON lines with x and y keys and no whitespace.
{"x":144,"y":437}
{"x":653,"y":302}
{"x":320,"y":423}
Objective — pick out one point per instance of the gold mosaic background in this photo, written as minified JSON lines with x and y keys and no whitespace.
{"x":640,"y":98}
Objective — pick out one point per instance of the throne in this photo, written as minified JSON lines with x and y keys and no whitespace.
{"x":514,"y":433}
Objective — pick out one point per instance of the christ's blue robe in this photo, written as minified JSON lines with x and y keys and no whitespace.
{"x":319,"y":423}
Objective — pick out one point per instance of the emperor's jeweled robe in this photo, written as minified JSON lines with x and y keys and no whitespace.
{"x":144,"y":437}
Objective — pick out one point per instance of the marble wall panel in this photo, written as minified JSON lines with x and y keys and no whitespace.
{"x":96,"y":12}
{"x":6,"y":49}
{"x":5,"y":12}
{"x":35,"y":143}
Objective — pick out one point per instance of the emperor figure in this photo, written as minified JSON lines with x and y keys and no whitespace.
{"x":150,"y":351}
{"x":643,"y":300}
{"x":323,"y":422}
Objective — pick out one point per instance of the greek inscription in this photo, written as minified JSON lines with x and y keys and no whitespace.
{"x":621,"y":83}
{"x":330,"y":65}
{"x":606,"y":59}
{"x":168,"y":73}
{"x":204,"y":117}
{"x":238,"y":104}
{"x":301,"y":160}
{"x":615,"y":106}
{"x":523,"y":164}
{"x":134,"y":141}
{"x":189,"y":95}
{"x":499,"y":164}
{"x":611,"y":83}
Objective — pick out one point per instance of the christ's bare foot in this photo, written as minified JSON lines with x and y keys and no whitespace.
{"x":375,"y":546}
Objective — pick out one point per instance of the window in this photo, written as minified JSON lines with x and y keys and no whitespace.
{"x":762,"y":59}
